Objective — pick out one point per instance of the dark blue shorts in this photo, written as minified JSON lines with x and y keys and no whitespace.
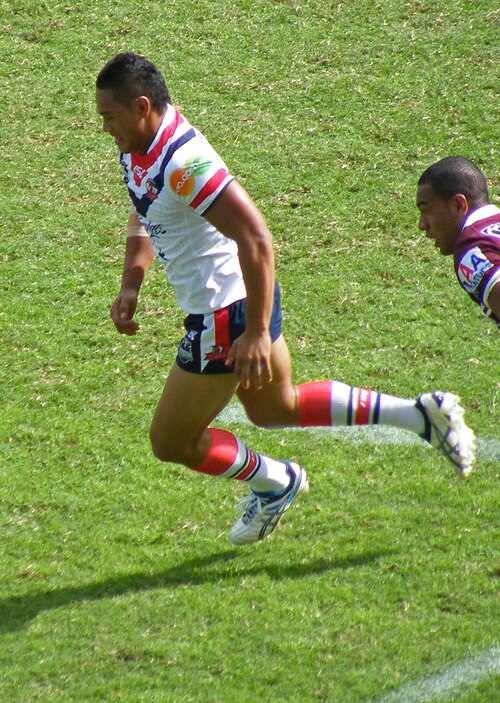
{"x":208,"y":338}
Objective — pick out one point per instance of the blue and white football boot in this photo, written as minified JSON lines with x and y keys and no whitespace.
{"x":263,"y":511}
{"x":446,"y":430}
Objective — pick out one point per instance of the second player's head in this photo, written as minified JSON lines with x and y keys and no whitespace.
{"x":447,"y":192}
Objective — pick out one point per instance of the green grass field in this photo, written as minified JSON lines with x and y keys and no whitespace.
{"x":118,"y":583}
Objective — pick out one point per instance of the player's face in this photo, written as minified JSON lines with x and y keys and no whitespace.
{"x":440,"y":219}
{"x":125,"y":124}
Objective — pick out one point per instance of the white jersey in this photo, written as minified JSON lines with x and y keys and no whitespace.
{"x":172,"y":186}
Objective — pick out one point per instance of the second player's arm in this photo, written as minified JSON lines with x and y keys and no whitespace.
{"x":494,"y":300}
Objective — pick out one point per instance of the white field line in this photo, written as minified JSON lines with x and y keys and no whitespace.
{"x":457,"y":678}
{"x":489,"y":448}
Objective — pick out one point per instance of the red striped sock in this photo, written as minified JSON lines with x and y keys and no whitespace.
{"x":229,"y":457}
{"x":327,"y":403}
{"x":315,"y":402}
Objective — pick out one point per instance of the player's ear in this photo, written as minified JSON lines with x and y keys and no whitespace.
{"x":461,"y":204}
{"x":143,"y":105}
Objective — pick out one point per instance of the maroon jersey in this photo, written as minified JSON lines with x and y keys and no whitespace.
{"x":476,"y":253}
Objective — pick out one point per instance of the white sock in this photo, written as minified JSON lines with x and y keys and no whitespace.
{"x":272,"y":476}
{"x":327,"y":403}
{"x":385,"y":409}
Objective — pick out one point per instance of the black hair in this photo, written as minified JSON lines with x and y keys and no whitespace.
{"x":129,"y":75}
{"x":453,"y":175}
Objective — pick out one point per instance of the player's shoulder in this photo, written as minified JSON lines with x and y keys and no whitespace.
{"x":482,"y":224}
{"x":192,"y":165}
{"x":186,"y":147}
{"x":477,"y":250}
{"x":480,"y":234}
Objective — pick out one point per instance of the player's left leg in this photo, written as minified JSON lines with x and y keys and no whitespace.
{"x":276,"y":403}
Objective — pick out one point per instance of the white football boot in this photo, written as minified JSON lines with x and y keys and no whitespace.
{"x":262,"y":512}
{"x":446,"y":430}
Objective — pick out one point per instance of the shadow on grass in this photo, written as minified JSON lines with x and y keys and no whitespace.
{"x":16,"y":611}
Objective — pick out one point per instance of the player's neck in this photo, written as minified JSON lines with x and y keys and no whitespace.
{"x":152,"y":124}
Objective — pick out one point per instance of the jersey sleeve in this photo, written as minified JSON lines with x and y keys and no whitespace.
{"x":196,"y":175}
{"x":477,"y":272}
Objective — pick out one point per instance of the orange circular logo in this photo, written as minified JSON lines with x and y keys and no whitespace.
{"x":182,"y":181}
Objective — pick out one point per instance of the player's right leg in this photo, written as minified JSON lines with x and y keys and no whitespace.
{"x":436,"y":417}
{"x":188,"y":404}
{"x":180,"y":433}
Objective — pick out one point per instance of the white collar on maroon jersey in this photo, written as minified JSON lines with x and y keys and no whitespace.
{"x":480,"y":214}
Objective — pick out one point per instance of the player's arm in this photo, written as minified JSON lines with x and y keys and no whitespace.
{"x":235,"y":215}
{"x":493,"y":301}
{"x":139,"y":255}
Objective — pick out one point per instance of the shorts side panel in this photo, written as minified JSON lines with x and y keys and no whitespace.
{"x":208,"y":338}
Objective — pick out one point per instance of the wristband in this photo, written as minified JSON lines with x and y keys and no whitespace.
{"x":136,"y":231}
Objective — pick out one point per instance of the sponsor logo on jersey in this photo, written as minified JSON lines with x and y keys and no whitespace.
{"x":155,"y":230}
{"x":139,"y":173}
{"x":182,"y":180}
{"x":492,"y":230}
{"x":471,"y":269}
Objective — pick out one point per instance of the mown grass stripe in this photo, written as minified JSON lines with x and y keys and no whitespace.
{"x":461,"y":676}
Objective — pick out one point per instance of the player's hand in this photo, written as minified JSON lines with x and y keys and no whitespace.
{"x":250,"y":356}
{"x":122,"y":312}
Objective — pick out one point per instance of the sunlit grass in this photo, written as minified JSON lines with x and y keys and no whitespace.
{"x":118,"y":581}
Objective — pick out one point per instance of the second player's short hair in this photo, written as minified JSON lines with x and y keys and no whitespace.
{"x":129,"y":75}
{"x":453,"y":175}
